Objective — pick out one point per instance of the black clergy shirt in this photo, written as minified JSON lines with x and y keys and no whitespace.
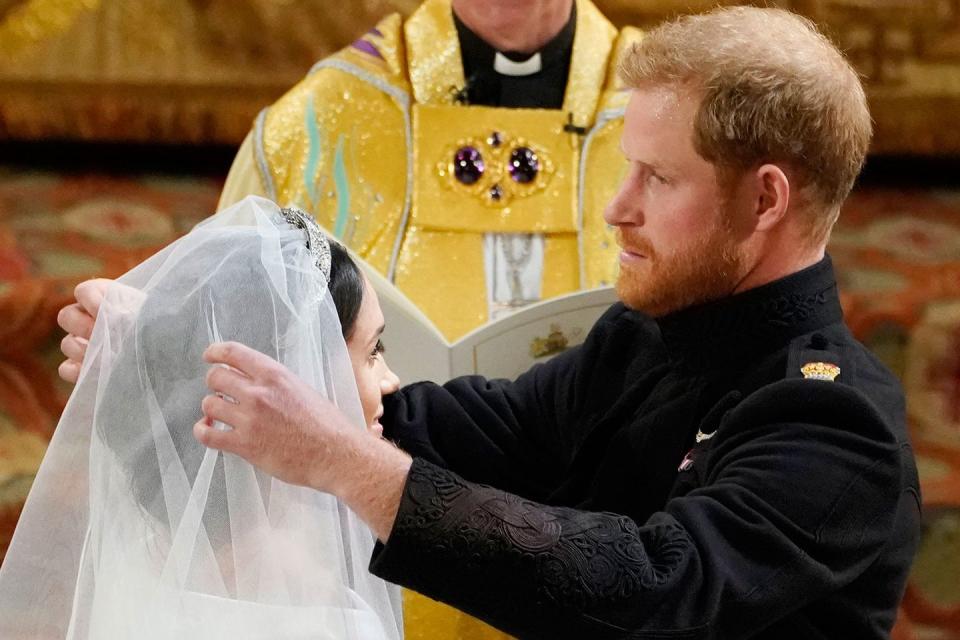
{"x":544,"y":89}
{"x":678,"y":478}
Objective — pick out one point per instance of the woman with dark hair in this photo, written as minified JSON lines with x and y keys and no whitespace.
{"x":362,"y":322}
{"x":135,"y":529}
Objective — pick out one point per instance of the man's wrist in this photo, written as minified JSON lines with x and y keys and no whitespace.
{"x":370,"y":478}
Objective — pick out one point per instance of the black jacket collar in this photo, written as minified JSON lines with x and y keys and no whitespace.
{"x":755,"y":321}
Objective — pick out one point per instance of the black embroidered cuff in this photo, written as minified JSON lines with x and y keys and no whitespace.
{"x":525,"y":567}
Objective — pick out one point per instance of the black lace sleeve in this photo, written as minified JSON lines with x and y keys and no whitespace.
{"x":532,"y":570}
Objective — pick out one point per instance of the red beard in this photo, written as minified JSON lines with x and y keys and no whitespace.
{"x":699,"y":270}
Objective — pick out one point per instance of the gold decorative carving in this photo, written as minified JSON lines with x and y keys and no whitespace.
{"x":199,"y":70}
{"x":907,"y":50}
{"x":28,"y":22}
{"x":555,"y":342}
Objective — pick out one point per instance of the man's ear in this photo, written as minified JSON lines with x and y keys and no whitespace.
{"x":772,"y":193}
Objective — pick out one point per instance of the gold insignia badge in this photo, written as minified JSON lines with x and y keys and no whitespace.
{"x":701,"y":436}
{"x":820,"y":371}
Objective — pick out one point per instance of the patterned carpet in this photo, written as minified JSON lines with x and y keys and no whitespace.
{"x":54,"y":232}
{"x":897,"y":253}
{"x":898,"y":257}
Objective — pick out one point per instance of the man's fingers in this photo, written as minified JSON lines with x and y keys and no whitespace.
{"x":74,"y":319}
{"x":213,"y":438}
{"x":74,"y":348}
{"x":69,"y":371}
{"x":219,"y":409}
{"x":239,"y":356}
{"x":90,"y":293}
{"x":227,"y":381}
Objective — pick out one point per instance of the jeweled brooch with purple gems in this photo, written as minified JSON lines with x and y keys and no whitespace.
{"x":496,"y":168}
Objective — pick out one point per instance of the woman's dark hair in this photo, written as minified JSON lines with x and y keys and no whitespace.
{"x":346,"y":287}
{"x":172,"y":319}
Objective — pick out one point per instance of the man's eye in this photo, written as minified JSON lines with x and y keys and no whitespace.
{"x":656,"y":178}
{"x":378,"y":349}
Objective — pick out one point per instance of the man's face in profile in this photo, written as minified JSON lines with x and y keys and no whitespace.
{"x":674,"y":221}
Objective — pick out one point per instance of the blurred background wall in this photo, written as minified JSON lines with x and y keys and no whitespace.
{"x":118,"y":121}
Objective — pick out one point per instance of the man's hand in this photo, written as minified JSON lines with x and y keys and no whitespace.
{"x":77,"y":320}
{"x":283,"y":426}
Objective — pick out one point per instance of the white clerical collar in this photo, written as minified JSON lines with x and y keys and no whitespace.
{"x":507,"y":67}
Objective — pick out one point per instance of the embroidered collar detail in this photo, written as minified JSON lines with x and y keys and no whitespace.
{"x":754,"y":321}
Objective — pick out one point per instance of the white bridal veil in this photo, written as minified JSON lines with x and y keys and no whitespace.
{"x":135,"y":530}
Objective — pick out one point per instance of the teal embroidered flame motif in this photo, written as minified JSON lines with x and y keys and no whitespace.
{"x":343,"y":190}
{"x":310,"y":176}
{"x":313,"y":181}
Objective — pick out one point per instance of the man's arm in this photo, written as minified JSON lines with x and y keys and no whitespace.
{"x":487,"y":429}
{"x":797,"y":504}
{"x":509,"y":434}
{"x":281,"y":425}
{"x":521,"y":435}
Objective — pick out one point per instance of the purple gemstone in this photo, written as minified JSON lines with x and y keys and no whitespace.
{"x":495,"y":139}
{"x":467,"y":165}
{"x":496,"y":192}
{"x":524,"y":165}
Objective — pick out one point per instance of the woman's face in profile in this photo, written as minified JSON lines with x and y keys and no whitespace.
{"x":374,"y":377}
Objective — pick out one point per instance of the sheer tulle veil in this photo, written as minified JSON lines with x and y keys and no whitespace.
{"x":132,"y":528}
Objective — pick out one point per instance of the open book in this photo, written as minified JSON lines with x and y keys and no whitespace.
{"x":503,"y":348}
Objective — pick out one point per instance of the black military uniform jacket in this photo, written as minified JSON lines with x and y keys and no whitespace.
{"x":687,"y":477}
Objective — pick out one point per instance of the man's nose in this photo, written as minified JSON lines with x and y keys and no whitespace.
{"x":623,"y":209}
